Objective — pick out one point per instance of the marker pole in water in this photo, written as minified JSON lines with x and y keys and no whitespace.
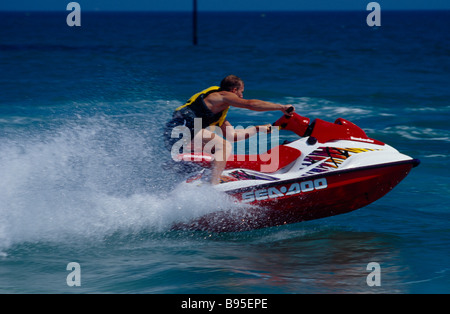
{"x":194,"y":23}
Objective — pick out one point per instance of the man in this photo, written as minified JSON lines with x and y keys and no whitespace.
{"x":211,"y":105}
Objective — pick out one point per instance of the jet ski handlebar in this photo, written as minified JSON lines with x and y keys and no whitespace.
{"x":322,"y":130}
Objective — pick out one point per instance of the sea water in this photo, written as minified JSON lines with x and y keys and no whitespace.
{"x":82,"y":162}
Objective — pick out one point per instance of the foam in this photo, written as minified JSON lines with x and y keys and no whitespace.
{"x":418,"y":133}
{"x":91,"y":180}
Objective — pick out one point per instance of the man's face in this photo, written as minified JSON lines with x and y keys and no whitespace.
{"x":239,"y":91}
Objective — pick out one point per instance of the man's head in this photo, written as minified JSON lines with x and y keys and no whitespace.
{"x":233,"y":84}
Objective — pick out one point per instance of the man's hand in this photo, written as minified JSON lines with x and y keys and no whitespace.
{"x":288,"y":110}
{"x":267,"y":127}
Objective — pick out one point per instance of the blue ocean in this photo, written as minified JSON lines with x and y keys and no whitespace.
{"x":82,"y":175}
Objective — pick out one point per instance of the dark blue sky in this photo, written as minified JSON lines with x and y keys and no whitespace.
{"x":222,"y":5}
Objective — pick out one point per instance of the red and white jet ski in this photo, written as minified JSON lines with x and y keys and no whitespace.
{"x":333,"y":168}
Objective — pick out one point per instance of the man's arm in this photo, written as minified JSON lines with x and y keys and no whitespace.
{"x":231,"y":134}
{"x":253,"y":104}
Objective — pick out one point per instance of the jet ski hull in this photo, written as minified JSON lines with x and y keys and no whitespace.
{"x":305,"y":198}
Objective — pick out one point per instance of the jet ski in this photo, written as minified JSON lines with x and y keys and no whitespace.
{"x":331,"y":169}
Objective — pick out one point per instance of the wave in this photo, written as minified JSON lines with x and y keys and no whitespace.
{"x":309,"y":107}
{"x":379,"y":120}
{"x":327,"y":109}
{"x":91,"y":179}
{"x":418,"y":133}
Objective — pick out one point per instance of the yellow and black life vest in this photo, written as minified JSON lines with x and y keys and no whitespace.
{"x":197,"y":104}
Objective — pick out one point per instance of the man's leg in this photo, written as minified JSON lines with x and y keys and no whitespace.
{"x":222,"y":150}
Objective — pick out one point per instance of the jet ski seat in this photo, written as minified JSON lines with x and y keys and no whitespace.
{"x":268,"y":162}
